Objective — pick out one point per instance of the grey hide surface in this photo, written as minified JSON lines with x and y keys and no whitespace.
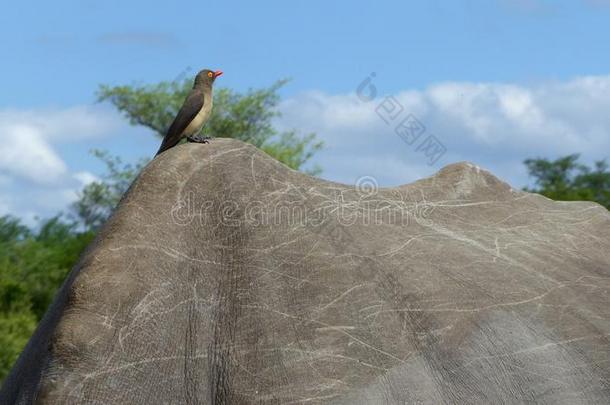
{"x":224,"y":277}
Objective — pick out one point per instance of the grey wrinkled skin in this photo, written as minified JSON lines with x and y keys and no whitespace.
{"x":208,"y":286}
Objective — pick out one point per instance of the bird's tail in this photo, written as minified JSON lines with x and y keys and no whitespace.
{"x":165,"y":145}
{"x":162,"y":149}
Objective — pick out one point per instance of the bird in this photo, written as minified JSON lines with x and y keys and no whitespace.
{"x":194,"y":113}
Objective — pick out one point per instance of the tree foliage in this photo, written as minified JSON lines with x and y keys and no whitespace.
{"x":98,"y":199}
{"x":567,"y":180}
{"x":33,"y":264}
{"x":246,"y":116}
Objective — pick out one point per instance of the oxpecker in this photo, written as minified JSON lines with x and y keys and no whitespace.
{"x":194,"y":112}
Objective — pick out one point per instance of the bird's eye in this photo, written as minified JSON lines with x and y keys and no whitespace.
{"x":210,"y":74}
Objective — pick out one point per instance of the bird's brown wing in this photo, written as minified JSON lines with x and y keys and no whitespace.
{"x":192,"y":105}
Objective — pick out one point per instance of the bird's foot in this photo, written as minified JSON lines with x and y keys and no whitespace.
{"x":199,"y":139}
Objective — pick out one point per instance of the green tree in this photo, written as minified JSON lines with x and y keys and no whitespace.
{"x":33,"y":264}
{"x":565,"y":179}
{"x":246,"y":116}
{"x":97,"y":199}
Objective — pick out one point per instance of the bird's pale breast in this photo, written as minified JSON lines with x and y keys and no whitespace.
{"x":197,"y":123}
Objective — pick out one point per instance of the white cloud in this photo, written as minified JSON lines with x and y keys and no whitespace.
{"x":27,"y":138}
{"x":26,"y":154}
{"x":496,"y":125}
{"x":35,"y":180}
{"x":85,"y":178}
{"x":67,"y":124}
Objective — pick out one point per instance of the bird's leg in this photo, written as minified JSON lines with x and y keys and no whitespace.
{"x":199,"y":139}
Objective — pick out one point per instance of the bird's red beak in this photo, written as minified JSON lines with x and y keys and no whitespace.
{"x":218,"y":73}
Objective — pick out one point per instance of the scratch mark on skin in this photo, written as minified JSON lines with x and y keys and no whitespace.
{"x":143,"y":315}
{"x":533,"y":349}
{"x":546,"y":377}
{"x":396,"y":249}
{"x":167,"y":251}
{"x":140,"y":362}
{"x":224,"y":152}
{"x":133,"y":364}
{"x":311,"y":251}
{"x":325,"y":328}
{"x":321,"y":354}
{"x":491,"y":306}
{"x":279,"y":273}
{"x":253,"y":171}
{"x":453,"y":235}
{"x":331,"y":328}
{"x":339,"y":297}
{"x":303,"y":400}
{"x":375,"y":303}
{"x":275,"y":247}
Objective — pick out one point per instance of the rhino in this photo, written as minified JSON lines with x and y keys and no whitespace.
{"x":225,"y":277}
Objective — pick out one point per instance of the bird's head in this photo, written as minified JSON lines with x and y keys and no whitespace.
{"x":207,"y":77}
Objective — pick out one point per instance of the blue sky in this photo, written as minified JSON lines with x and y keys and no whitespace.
{"x":495,"y":81}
